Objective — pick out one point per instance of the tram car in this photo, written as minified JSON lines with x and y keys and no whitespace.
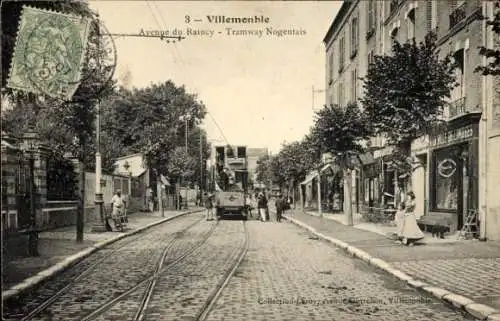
{"x":231,"y":181}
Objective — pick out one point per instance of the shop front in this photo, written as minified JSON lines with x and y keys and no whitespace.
{"x":369,"y":177}
{"x":452,"y":174}
{"x":331,"y":189}
{"x":309,"y":191}
{"x":384,"y":184}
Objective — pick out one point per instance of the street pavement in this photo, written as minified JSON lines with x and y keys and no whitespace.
{"x":287,"y":274}
{"x":58,"y":244}
{"x":466,"y":267}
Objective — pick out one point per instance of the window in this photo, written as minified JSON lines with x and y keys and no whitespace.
{"x":458,"y":14}
{"x":431,"y":14}
{"x":354,"y":84}
{"x":242,"y":152}
{"x":394,"y":33}
{"x":459,"y":91}
{"x":371,"y":17}
{"x":341,"y":93}
{"x":354,"y":36}
{"x":334,"y":94}
{"x":341,"y":53}
{"x":411,"y":24}
{"x":330,"y":67}
{"x":446,"y":179}
{"x":370,"y":57}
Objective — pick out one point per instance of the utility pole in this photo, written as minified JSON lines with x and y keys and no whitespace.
{"x":201,"y":163}
{"x":99,"y":226}
{"x":33,"y":237}
{"x":186,"y":123}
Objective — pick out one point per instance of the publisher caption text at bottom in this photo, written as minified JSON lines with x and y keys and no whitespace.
{"x":347,"y":300}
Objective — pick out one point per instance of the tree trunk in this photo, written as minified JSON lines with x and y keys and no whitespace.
{"x":80,"y":211}
{"x":348,"y":194}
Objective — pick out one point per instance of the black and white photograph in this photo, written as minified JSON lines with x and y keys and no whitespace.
{"x":250,"y":160}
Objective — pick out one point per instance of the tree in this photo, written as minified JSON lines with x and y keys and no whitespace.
{"x":262,"y":171}
{"x":181,"y":166}
{"x":405,"y":93}
{"x":339,"y":129}
{"x":148,"y":121}
{"x":295,"y":161}
{"x":341,"y":132}
{"x":493,"y":67}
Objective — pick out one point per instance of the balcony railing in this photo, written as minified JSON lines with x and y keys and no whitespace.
{"x":457,"y":15}
{"x":455,"y":108}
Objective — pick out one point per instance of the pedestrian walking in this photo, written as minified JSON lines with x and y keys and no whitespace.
{"x":179,"y":206}
{"x":149,"y":200}
{"x":249,"y":205}
{"x":209,"y":205}
{"x":280,"y":207}
{"x":262,"y":206}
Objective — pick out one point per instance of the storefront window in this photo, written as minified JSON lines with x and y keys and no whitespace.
{"x":446,"y":179}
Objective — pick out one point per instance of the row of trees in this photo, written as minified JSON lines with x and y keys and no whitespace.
{"x":405,"y":95}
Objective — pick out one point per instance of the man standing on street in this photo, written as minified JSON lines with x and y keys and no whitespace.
{"x":262,"y":207}
{"x":280,"y":206}
{"x":209,"y":204}
{"x":117,"y":205}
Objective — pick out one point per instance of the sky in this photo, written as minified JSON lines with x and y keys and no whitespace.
{"x":258,"y":89}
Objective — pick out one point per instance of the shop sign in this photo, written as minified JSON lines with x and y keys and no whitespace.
{"x":446,"y":138}
{"x":382,"y":152}
{"x":447,"y":167}
{"x":420,"y":143}
{"x":452,"y":136}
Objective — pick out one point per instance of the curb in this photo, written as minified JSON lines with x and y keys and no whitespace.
{"x":61,"y":266}
{"x":477,"y":310}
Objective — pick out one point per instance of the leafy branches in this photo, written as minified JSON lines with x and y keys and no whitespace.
{"x":406,"y":91}
{"x":339,"y":129}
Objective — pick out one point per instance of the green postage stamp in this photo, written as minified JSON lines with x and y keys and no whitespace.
{"x":49,"y":53}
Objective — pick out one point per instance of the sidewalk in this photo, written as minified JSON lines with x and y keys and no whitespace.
{"x":58,"y":246}
{"x":464,"y":267}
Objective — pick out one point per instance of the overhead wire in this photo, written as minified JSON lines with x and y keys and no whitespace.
{"x":179,"y":55}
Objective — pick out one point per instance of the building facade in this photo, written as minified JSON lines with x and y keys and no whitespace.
{"x":454,"y":171}
{"x":253,"y":155}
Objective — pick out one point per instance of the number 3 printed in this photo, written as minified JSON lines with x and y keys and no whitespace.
{"x":187,"y":19}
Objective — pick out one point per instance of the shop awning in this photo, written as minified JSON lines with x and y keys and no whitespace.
{"x":310,"y":177}
{"x":164,"y":180}
{"x":367,"y":158}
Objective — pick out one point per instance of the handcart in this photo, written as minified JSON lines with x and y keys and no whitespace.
{"x":119,"y":218}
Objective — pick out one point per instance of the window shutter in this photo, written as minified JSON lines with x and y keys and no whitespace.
{"x":453,"y":4}
{"x":370,"y":15}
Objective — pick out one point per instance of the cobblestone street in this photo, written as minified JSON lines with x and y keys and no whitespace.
{"x":446,"y":265}
{"x":286,"y":275}
{"x":289,"y":275}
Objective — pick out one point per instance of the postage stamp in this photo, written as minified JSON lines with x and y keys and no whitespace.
{"x":49,"y":53}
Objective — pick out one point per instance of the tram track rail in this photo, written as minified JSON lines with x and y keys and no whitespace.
{"x":94,"y":265}
{"x":214,"y":296}
{"x":151,"y":280}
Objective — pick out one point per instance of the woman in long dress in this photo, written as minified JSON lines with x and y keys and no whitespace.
{"x":409,"y":232}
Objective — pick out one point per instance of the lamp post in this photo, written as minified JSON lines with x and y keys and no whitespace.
{"x":99,"y":200}
{"x":186,"y":119}
{"x":29,"y":151}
